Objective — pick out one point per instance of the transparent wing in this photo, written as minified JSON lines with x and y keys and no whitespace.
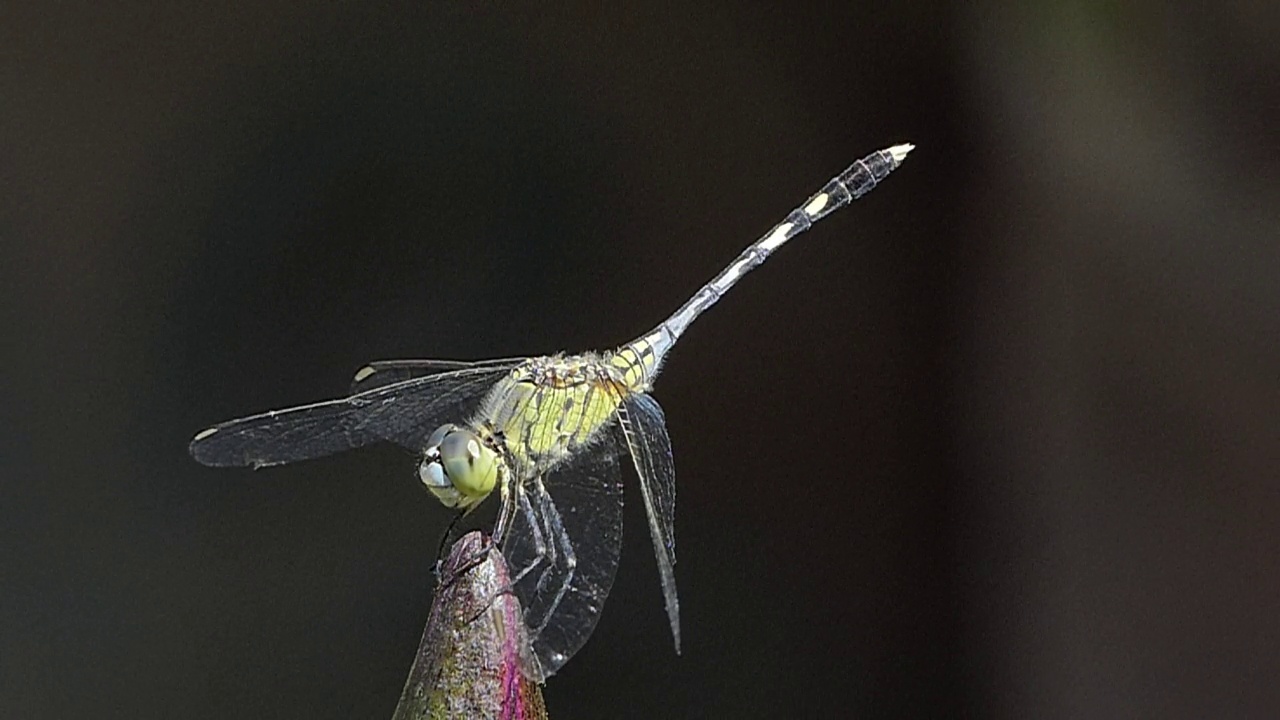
{"x":645,"y":428}
{"x":386,"y":372}
{"x":404,"y":413}
{"x":562,"y":551}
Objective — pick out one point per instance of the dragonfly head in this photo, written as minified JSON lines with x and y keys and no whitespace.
{"x":459,"y":468}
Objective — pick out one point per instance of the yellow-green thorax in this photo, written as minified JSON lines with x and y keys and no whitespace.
{"x":547,"y":408}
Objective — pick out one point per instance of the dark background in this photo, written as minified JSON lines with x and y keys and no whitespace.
{"x":1001,"y":440}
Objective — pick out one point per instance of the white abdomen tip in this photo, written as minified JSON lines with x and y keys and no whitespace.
{"x":900,"y":151}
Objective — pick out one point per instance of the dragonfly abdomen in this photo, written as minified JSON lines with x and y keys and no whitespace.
{"x":636,"y":364}
{"x":857,"y":180}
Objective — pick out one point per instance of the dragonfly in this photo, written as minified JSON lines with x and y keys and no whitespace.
{"x":550,"y":434}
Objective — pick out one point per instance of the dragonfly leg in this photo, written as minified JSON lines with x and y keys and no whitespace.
{"x":535,"y":531}
{"x":446,"y":540}
{"x":507,"y":589}
{"x":466,"y":565}
{"x":506,"y":512}
{"x":550,"y":522}
{"x":558,"y":537}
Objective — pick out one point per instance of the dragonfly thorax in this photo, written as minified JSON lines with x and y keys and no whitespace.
{"x":459,"y":467}
{"x":549,"y":408}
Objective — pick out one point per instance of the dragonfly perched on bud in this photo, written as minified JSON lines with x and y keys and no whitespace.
{"x":547,"y":433}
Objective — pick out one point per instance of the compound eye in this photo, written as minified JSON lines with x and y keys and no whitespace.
{"x":432,"y":475}
{"x":437,"y":437}
{"x":469,"y":464}
{"x":460,"y":446}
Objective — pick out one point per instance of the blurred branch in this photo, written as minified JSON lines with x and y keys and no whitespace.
{"x":468,"y":663}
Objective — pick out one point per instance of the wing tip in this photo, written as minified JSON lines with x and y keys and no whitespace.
{"x":675,"y":629}
{"x":196,"y":446}
{"x":200,"y":452}
{"x":203,"y":434}
{"x":673,"y":611}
